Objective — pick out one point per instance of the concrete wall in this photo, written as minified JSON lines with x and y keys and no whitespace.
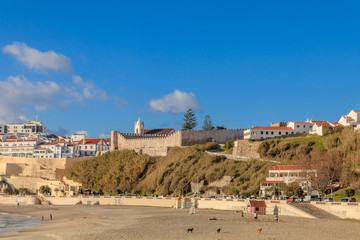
{"x":22,"y":200}
{"x":246,"y":148}
{"x":340,"y":209}
{"x":204,"y":203}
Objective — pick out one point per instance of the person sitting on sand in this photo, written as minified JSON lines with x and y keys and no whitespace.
{"x":255,"y":215}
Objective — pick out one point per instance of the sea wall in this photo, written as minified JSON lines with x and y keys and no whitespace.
{"x":22,"y":200}
{"x":340,"y":209}
{"x":203,"y":203}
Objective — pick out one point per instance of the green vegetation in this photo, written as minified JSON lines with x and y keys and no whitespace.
{"x":189,"y":120}
{"x":120,"y":171}
{"x":208,"y":124}
{"x":340,"y":194}
{"x":336,"y":155}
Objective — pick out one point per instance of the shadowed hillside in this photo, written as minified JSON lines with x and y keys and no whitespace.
{"x":120,"y":171}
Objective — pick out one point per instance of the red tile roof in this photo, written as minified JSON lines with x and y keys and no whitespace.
{"x":159,"y":131}
{"x":257,"y":203}
{"x":91,"y":141}
{"x":349,"y":118}
{"x":320,"y":123}
{"x":292,"y":167}
{"x":273,"y":128}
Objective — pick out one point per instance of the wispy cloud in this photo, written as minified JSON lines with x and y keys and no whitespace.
{"x":175,"y":102}
{"x":37,"y":60}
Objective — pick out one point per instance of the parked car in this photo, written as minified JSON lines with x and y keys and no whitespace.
{"x":318,"y":199}
{"x":212,"y":197}
{"x":344,"y":200}
{"x":352,"y":199}
{"x":328,"y":200}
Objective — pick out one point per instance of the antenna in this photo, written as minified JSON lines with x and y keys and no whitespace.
{"x":36,"y":117}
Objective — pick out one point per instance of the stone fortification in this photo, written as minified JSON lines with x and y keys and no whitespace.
{"x":34,"y":167}
{"x":159,"y":145}
{"x":246,"y":148}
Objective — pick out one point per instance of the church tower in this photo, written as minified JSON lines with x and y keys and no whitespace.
{"x":139,"y":127}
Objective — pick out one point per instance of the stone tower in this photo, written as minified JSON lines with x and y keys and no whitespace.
{"x":139,"y":127}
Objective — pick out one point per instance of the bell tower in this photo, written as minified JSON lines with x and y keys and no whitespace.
{"x":139,"y":127}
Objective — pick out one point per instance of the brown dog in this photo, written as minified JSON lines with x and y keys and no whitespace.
{"x":259,"y":230}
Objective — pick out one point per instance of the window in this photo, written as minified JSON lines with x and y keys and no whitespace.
{"x":262,"y":132}
{"x":286,"y":133}
{"x":267,"y":133}
{"x":85,"y":147}
{"x":279,"y":133}
{"x":272,"y":133}
{"x":297,"y":126}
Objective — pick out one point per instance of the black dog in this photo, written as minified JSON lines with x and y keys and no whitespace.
{"x":219,"y":229}
{"x":190,"y":230}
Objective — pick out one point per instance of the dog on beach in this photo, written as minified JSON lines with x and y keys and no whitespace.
{"x":218,"y":230}
{"x":259,"y":230}
{"x":190,"y":230}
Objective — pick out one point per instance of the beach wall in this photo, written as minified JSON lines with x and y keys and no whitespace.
{"x":203,"y":203}
{"x":340,"y":209}
{"x":22,"y":200}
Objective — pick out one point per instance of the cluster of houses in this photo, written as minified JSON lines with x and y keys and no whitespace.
{"x":309,"y":126}
{"x":30,"y":140}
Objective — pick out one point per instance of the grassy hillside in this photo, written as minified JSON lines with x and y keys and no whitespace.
{"x":120,"y":171}
{"x":336,"y":154}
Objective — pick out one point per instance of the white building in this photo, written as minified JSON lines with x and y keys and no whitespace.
{"x":18,"y":148}
{"x":352,"y":119}
{"x":91,"y":147}
{"x":267,"y":132}
{"x":286,"y":174}
{"x":301,"y":127}
{"x":32,"y":127}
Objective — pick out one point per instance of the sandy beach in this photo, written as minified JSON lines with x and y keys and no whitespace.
{"x":125,"y":222}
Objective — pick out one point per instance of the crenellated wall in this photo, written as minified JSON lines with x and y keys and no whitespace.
{"x":159,"y":145}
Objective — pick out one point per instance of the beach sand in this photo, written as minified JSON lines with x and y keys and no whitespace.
{"x":127,"y":222}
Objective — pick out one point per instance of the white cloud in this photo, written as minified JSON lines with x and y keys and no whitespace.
{"x":18,"y":94}
{"x":175,"y":102}
{"x":103,"y":135}
{"x":89,"y":90}
{"x":37,"y":60}
{"x":82,"y":132}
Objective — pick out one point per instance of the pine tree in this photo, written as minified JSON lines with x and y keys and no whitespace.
{"x":208,"y":124}
{"x":189,"y":120}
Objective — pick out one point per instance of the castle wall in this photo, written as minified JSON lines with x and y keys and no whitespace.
{"x":159,"y":146}
{"x":219,"y":136}
{"x":246,"y":148}
{"x":154,"y":146}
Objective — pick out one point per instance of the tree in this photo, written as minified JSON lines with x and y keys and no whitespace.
{"x":45,"y":189}
{"x":208,"y":124}
{"x":189,"y":120}
{"x":220,"y":127}
{"x":349,"y":192}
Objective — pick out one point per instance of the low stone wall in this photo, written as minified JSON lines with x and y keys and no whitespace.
{"x":22,"y":200}
{"x":246,"y":148}
{"x":203,"y":203}
{"x":340,"y":209}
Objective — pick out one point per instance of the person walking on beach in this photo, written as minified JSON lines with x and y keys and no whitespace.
{"x":276,"y":218}
{"x":50,"y":216}
{"x":242,"y":214}
{"x":42,"y":218}
{"x":255,"y":215}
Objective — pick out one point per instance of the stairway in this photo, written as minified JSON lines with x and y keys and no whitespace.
{"x":43,"y":200}
{"x":315,"y":211}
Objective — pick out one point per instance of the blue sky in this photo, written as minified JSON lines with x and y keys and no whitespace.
{"x":97,"y":66}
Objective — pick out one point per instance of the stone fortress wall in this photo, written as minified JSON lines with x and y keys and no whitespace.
{"x":246,"y":148}
{"x":32,"y":173}
{"x":156,"y":145}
